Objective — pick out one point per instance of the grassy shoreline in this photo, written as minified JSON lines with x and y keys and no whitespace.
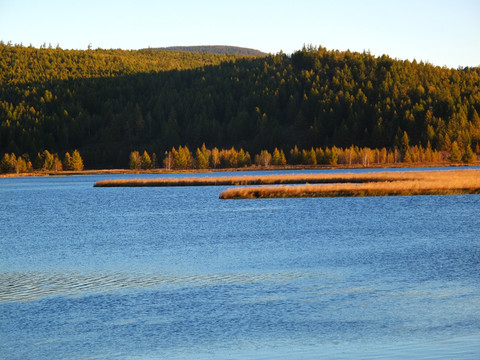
{"x":250,"y":168}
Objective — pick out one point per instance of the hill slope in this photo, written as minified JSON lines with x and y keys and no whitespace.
{"x":107,"y":103}
{"x":215,"y":49}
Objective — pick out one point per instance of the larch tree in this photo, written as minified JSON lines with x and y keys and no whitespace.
{"x":77,"y":161}
{"x":67,"y":161}
{"x":455,"y":154}
{"x":145,"y":161}
{"x":135,"y":161}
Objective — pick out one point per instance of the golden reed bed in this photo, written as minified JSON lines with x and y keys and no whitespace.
{"x":383,"y":184}
{"x":256,"y":180}
{"x":367,"y":184}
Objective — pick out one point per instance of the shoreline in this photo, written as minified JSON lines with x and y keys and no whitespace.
{"x":250,"y":168}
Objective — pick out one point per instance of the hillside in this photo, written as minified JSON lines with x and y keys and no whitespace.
{"x":215,"y":49}
{"x":107,"y":103}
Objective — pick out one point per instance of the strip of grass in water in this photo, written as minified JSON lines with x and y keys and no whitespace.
{"x":284,"y":192}
{"x":420,"y":183}
{"x":257,"y":180}
{"x":446,"y":182}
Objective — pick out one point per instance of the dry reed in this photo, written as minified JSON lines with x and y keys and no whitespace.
{"x":405,"y":183}
{"x":258,"y":180}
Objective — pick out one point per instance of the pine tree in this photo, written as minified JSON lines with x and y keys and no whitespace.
{"x":38,"y":162}
{"x":295,"y":156}
{"x":67,"y":162}
{"x":320,"y":155}
{"x":455,"y":155}
{"x":468,"y":157}
{"x":5,"y":164}
{"x":48,"y":160}
{"x":405,"y":148}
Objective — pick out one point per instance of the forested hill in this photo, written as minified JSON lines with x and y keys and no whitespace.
{"x":215,"y":49}
{"x":107,"y":103}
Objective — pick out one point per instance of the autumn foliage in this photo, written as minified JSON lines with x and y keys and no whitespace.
{"x":354,"y":156}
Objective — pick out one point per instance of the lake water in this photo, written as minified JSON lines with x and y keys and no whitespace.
{"x":176,"y":273}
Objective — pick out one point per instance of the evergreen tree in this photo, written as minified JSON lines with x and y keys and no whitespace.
{"x":405,"y":147}
{"x":468,"y":157}
{"x":295,"y":156}
{"x":5,"y":164}
{"x":309,"y":157}
{"x":67,"y":162}
{"x":455,"y":154}
{"x":48,"y":160}
{"x":38,"y":162}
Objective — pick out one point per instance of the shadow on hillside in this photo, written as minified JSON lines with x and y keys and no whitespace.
{"x":108,"y":117}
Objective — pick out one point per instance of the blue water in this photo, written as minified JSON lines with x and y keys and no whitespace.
{"x":176,"y":273}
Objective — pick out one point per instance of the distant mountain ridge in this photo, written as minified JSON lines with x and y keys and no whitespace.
{"x":215,"y":49}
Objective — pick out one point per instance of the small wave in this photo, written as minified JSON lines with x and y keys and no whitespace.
{"x":32,"y":286}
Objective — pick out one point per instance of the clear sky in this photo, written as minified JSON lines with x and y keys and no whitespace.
{"x":442,"y":32}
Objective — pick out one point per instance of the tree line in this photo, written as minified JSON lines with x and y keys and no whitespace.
{"x":107,"y":102}
{"x":203,"y":158}
{"x":44,"y":161}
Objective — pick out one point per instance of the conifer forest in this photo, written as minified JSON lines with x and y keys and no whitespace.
{"x":121,"y":108}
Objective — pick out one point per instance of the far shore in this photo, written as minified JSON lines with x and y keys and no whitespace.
{"x":249,"y":168}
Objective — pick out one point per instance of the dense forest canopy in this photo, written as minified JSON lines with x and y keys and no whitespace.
{"x":107,"y":103}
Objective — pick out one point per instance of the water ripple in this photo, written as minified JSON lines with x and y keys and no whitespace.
{"x":31,"y":286}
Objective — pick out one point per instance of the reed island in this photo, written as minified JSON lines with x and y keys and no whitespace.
{"x":405,"y":183}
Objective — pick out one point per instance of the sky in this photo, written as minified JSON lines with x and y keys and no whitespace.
{"x":441,"y":32}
